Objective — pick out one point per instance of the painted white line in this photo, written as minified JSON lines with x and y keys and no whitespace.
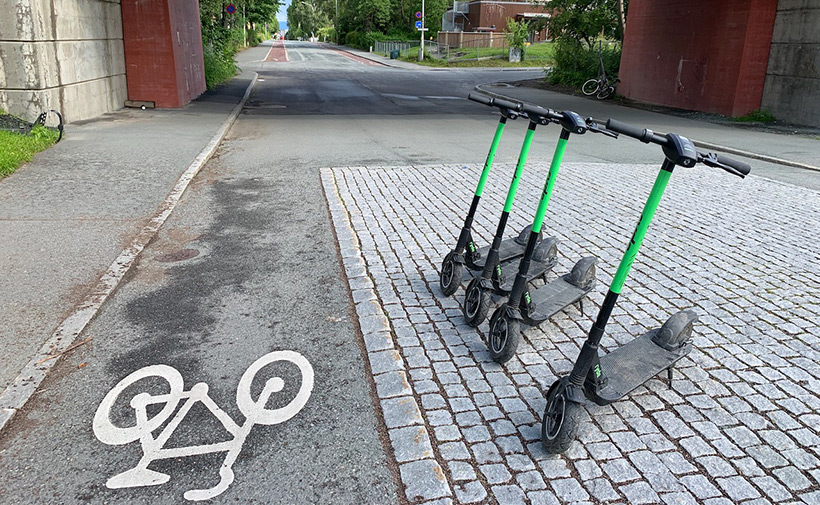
{"x":20,"y":390}
{"x":269,"y":51}
{"x":153,"y":447}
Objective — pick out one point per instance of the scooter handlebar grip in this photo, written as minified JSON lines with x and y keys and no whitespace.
{"x":480,"y":98}
{"x":742,"y":168}
{"x":642,"y":134}
{"x":537,"y":110}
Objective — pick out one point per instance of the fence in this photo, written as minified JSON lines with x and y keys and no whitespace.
{"x":474,"y":50}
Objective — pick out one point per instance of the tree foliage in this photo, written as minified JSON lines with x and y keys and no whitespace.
{"x":585,"y":20}
{"x":360,"y":22}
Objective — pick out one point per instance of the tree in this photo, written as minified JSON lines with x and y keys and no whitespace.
{"x":585,"y":20}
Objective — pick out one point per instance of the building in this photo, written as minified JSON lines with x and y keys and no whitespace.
{"x":482,"y":23}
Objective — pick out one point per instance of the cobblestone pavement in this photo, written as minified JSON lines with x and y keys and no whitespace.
{"x":740,"y":424}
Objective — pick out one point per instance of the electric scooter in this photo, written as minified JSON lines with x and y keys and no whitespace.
{"x":466,"y":251}
{"x":608,"y":378}
{"x":534,"y":306}
{"x":541,"y":258}
{"x":545,"y":252}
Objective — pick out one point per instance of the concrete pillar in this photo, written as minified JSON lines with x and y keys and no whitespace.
{"x":706,"y":55}
{"x":792,"y":90}
{"x":61,"y":54}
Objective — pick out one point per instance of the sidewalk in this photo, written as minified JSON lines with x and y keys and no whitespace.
{"x":68,"y":214}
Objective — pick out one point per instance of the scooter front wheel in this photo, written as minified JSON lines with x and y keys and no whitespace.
{"x":505,"y":334}
{"x":450,"y":277}
{"x":476,"y":303}
{"x":561,"y":418}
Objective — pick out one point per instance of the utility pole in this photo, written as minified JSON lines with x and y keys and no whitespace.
{"x":423,"y":29}
{"x":336,"y":24}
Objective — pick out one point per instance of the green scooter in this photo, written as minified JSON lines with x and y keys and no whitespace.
{"x":608,"y":378}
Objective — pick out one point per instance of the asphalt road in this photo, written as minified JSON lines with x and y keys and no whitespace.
{"x":266,"y":277}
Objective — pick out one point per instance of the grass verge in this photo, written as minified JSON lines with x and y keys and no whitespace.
{"x":16,"y":149}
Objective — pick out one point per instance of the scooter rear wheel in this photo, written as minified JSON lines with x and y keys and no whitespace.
{"x":561,"y":418}
{"x":505,"y":335}
{"x":450,"y":277}
{"x":476,"y":303}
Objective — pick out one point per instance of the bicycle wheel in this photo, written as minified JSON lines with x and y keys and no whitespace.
{"x":605,"y":93}
{"x":255,"y":411}
{"x":108,"y":433}
{"x":590,"y":87}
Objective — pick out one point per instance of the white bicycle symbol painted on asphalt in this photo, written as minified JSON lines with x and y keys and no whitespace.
{"x":153,"y":448}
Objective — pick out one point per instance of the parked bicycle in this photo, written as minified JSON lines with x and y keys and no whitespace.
{"x":602,"y":86}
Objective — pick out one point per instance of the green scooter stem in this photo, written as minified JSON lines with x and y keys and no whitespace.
{"x":464,"y":236}
{"x":553,"y":175}
{"x":589,"y":351}
{"x":491,"y":155}
{"x":492,"y":256}
{"x":520,"y":283}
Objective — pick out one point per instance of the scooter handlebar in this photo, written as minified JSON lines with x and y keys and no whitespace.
{"x":495,"y":102}
{"x":538,"y":111}
{"x":734,"y":167}
{"x":644,"y":135}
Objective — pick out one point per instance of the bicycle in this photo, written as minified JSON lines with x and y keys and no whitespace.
{"x":602,"y":87}
{"x":153,"y":448}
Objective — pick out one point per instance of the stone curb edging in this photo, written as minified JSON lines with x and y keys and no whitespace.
{"x":700,"y":143}
{"x":15,"y":396}
{"x":421,"y":474}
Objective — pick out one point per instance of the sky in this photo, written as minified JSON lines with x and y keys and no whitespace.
{"x":283,"y":11}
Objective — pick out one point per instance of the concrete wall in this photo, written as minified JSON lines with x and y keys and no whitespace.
{"x":61,"y":54}
{"x":792,"y":90}
{"x":707,"y":55}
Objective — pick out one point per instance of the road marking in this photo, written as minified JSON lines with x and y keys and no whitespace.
{"x":254,"y":411}
{"x":281,"y":53}
{"x":350,"y":56}
{"x":20,"y":390}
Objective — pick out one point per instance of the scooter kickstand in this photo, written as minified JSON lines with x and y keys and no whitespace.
{"x":669,"y":375}
{"x":581,"y":306}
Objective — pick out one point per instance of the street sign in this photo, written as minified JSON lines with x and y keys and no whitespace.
{"x":418,"y":14}
{"x":230,"y":8}
{"x":418,"y":25}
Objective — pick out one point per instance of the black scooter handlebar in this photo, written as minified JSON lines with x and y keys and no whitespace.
{"x":644,"y":135}
{"x":734,"y":167}
{"x":495,"y":102}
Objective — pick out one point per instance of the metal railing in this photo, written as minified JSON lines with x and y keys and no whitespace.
{"x":474,"y":50}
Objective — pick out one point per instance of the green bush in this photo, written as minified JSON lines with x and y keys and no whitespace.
{"x":219,"y":65}
{"x":575,"y":63}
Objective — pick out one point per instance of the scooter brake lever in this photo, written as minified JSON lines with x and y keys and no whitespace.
{"x":592,"y":125}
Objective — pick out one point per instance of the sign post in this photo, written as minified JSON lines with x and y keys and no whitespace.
{"x":422,"y":30}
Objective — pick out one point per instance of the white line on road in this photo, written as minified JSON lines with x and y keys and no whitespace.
{"x":23,"y":387}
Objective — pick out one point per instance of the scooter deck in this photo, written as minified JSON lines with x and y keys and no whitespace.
{"x":510,"y":249}
{"x":510,"y":269}
{"x":552,"y":298}
{"x":631,"y":365}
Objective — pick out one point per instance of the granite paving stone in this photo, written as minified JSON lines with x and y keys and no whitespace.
{"x":740,"y":422}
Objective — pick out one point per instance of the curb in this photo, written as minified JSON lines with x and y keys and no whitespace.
{"x":700,"y":143}
{"x":15,"y":396}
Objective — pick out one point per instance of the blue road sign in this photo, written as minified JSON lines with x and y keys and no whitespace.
{"x":418,"y":24}
{"x":418,"y":14}
{"x":230,"y":8}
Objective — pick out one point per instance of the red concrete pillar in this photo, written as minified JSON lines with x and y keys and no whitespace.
{"x":163,"y":51}
{"x":706,"y":55}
